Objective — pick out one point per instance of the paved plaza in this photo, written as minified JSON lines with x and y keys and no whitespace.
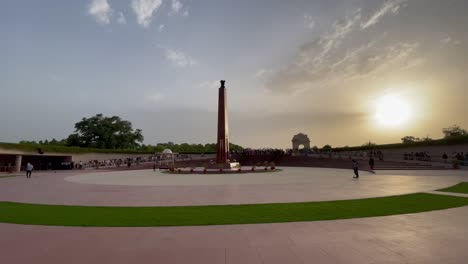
{"x":430,"y":237}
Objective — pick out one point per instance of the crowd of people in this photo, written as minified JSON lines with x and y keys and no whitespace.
{"x":263,"y":151}
{"x":423,"y":156}
{"x":111,"y":162}
{"x":457,"y":156}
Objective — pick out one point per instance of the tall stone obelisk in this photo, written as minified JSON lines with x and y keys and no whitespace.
{"x":222,"y":142}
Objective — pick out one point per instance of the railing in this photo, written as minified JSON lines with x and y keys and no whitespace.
{"x":7,"y":168}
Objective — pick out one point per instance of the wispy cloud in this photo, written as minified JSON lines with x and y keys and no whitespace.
{"x":389,"y":6}
{"x":449,"y":41}
{"x":342,"y":53}
{"x":179,"y":59}
{"x":161,"y":28}
{"x":176,"y":6}
{"x":321,"y":48}
{"x":309,"y":21}
{"x":121,"y":19}
{"x":101,"y":10}
{"x":261,"y":73}
{"x":154,"y":97}
{"x":144,"y":10}
{"x":208,"y":85}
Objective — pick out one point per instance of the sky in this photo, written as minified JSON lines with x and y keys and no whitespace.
{"x":326,"y":68}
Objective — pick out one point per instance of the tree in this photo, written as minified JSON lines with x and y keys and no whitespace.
{"x":454,"y":131}
{"x":426,"y":139}
{"x":106,"y":133}
{"x":409,"y":139}
{"x":26,"y":142}
{"x":369,"y":144}
{"x":235,"y":147}
{"x":327,"y":147}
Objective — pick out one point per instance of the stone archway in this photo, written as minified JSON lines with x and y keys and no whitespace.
{"x":300,"y":139}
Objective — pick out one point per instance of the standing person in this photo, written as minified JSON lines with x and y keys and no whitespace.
{"x":29,"y":168}
{"x":355,"y":168}
{"x":371,"y":163}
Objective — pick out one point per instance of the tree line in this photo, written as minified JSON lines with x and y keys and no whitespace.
{"x":101,"y":132}
{"x":452,"y":135}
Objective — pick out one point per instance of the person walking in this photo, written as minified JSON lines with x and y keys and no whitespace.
{"x":355,"y":168}
{"x":371,"y":163}
{"x":29,"y":169}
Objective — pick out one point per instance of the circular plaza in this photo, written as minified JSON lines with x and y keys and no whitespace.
{"x":156,"y":188}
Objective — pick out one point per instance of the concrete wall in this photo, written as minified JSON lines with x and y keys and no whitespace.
{"x":31,"y":153}
{"x":85,"y":157}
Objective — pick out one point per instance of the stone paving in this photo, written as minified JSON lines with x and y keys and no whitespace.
{"x":146,"y":188}
{"x":431,"y":237}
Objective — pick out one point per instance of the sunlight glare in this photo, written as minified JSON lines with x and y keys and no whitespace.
{"x":392,"y":111}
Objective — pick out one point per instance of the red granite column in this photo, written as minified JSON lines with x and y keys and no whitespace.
{"x":222,"y":142}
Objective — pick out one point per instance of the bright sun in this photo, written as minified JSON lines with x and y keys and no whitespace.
{"x":392,"y":111}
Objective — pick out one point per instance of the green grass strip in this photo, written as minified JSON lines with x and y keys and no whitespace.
{"x":63,"y":215}
{"x":458,"y":188}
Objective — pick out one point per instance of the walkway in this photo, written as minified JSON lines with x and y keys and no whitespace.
{"x":432,"y":237}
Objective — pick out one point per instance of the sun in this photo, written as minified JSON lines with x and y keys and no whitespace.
{"x":391,"y":110}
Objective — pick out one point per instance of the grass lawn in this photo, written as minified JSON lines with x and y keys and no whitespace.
{"x":8,"y":176}
{"x":458,"y":188}
{"x":39,"y":214}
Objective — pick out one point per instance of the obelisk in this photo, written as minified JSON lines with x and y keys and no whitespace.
{"x":222,"y":143}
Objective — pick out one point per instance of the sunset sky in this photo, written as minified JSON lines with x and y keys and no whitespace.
{"x":345,"y":72}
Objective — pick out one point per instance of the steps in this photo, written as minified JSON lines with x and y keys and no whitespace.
{"x":322,"y":162}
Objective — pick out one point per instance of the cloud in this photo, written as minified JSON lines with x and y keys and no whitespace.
{"x":154,"y":97}
{"x":186,"y":13}
{"x":389,"y":6}
{"x":347,"y":52}
{"x":121,"y":19}
{"x":308,"y":21}
{"x":208,"y":85}
{"x":101,"y":10}
{"x":144,"y":10}
{"x":179,"y":59}
{"x":176,"y":6}
{"x":313,"y":57}
{"x":262,"y":72}
{"x":449,"y":41}
{"x":161,"y":27}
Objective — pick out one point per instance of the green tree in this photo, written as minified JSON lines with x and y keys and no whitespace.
{"x":454,"y":131}
{"x":26,"y":142}
{"x":235,"y":147}
{"x":106,"y":133}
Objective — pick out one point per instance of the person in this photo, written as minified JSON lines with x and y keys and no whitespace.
{"x":371,"y":163}
{"x":29,"y":168}
{"x":355,"y":169}
{"x":445,"y":157}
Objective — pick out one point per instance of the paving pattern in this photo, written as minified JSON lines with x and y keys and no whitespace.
{"x":434,"y":237}
{"x":431,"y":237}
{"x":147,"y":188}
